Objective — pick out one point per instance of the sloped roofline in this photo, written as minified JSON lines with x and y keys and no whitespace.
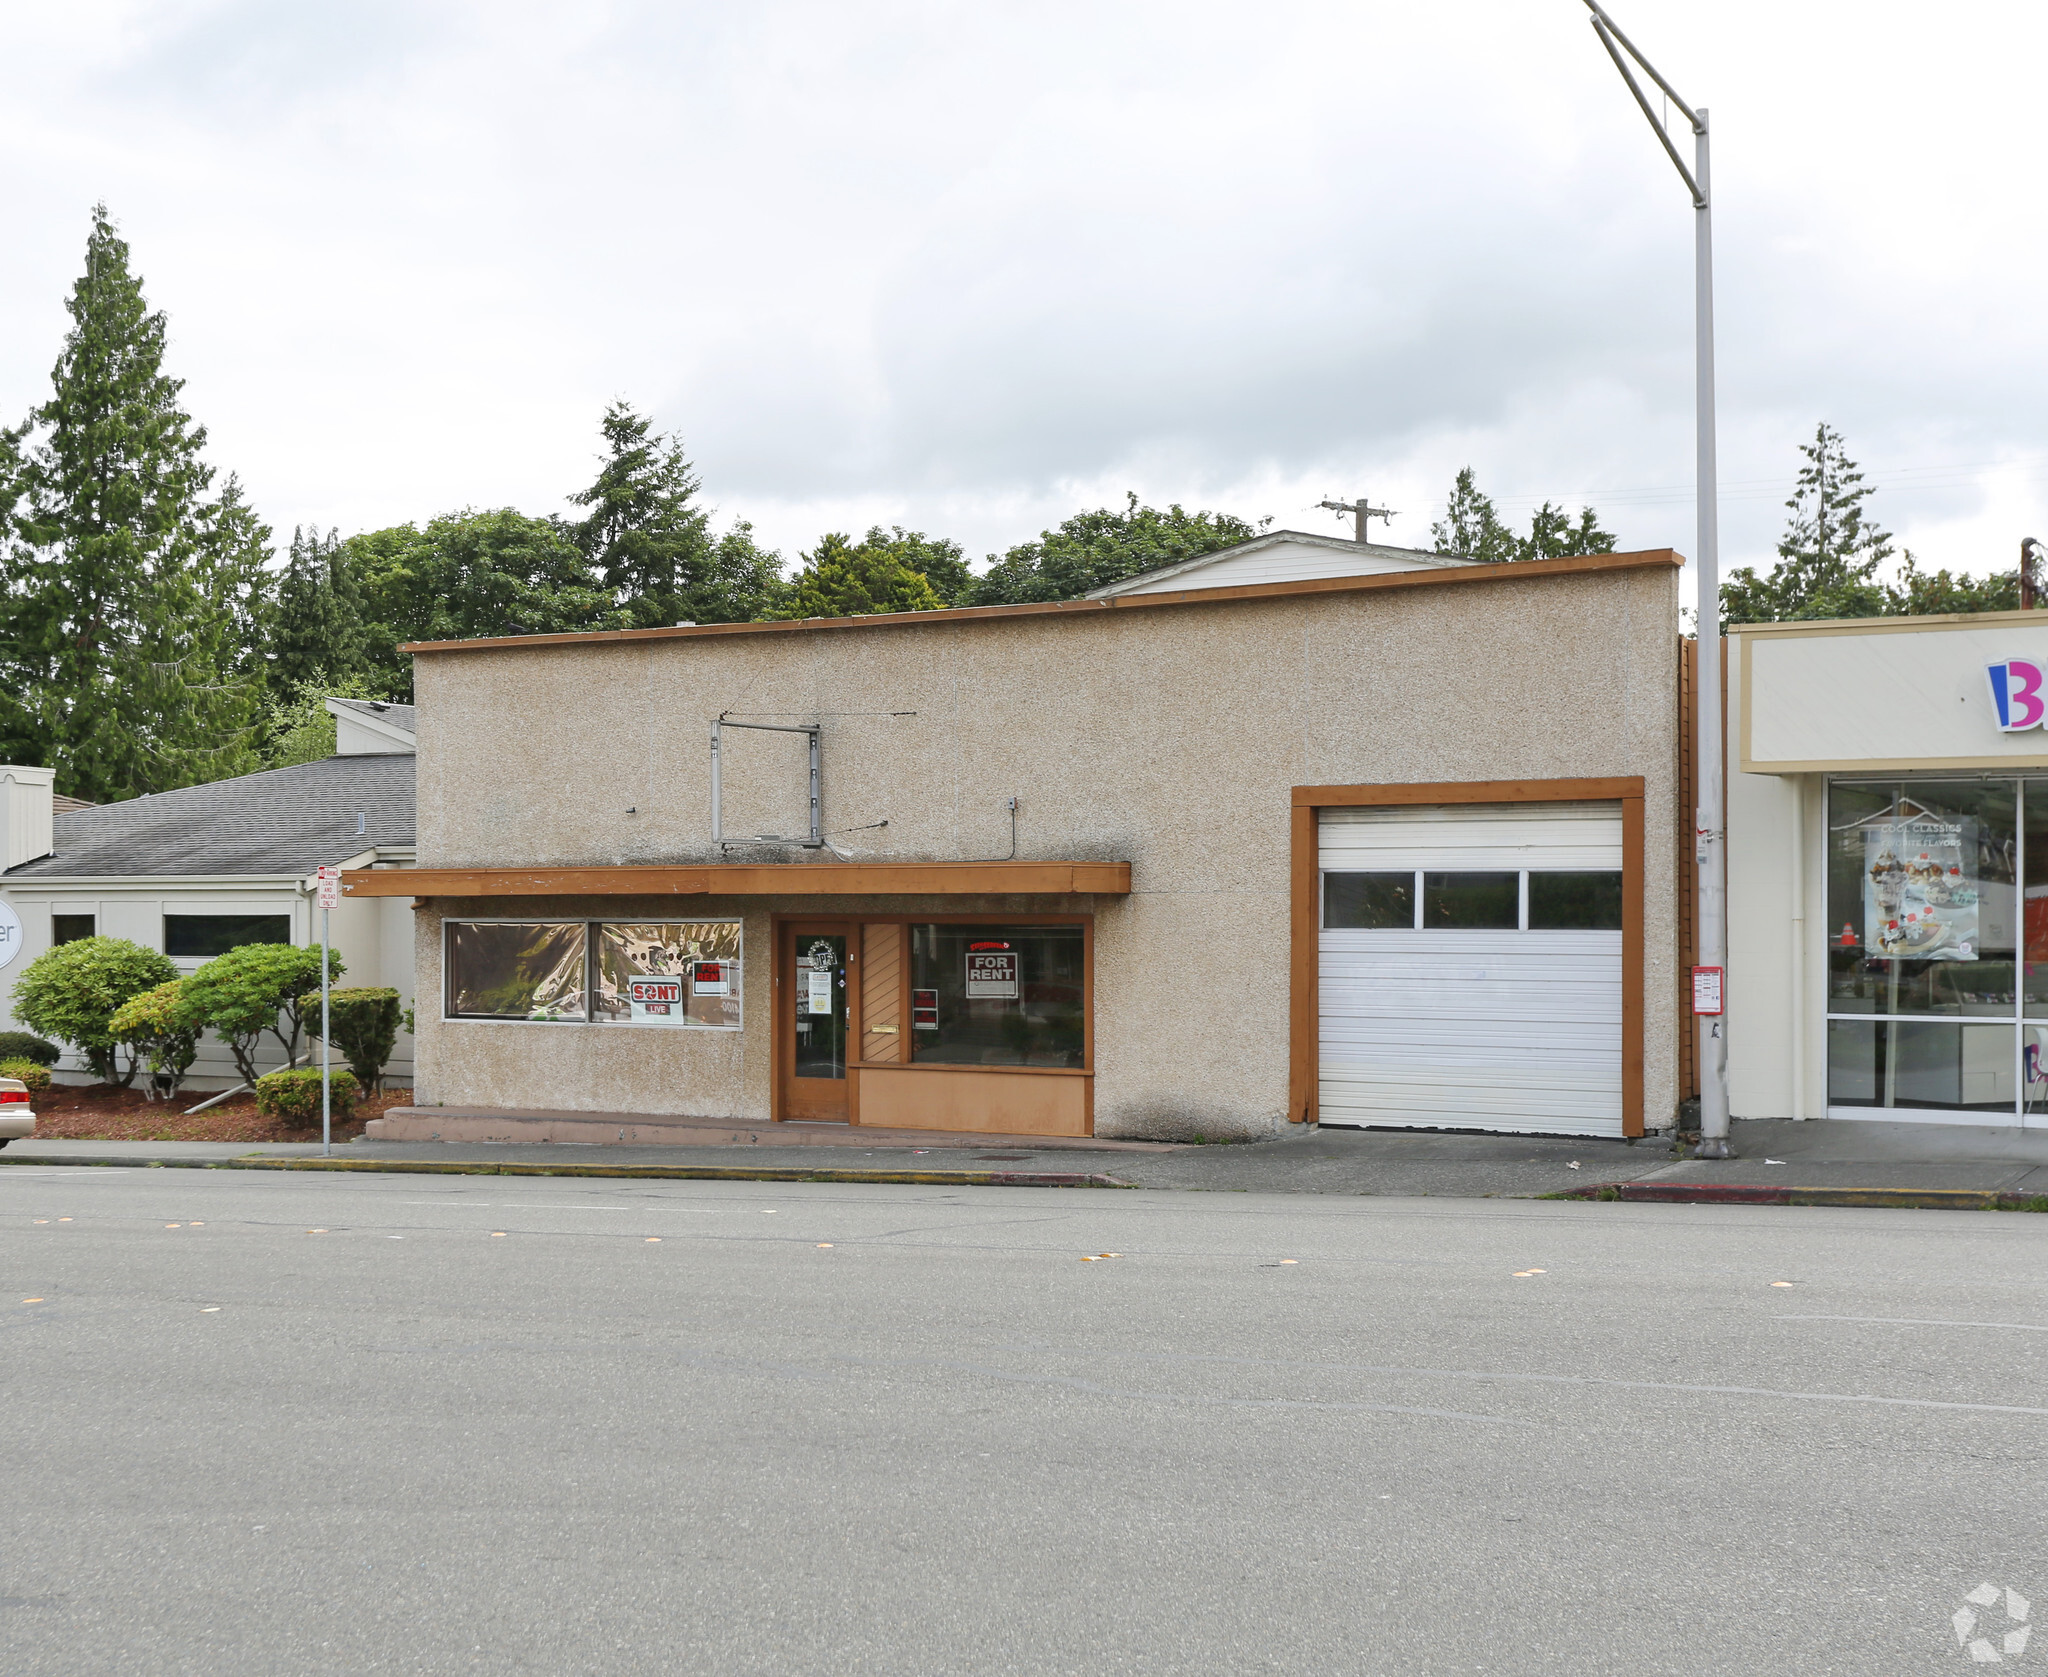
{"x":1272,"y":538}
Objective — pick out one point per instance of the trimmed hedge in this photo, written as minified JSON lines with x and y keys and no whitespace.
{"x":37,"y":1077}
{"x":293,"y":1097}
{"x":25,"y":1045}
{"x":365,"y":1022}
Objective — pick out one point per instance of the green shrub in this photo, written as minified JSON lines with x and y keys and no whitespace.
{"x":152,"y":1025}
{"x":245,"y":993}
{"x":364,"y":1026}
{"x":293,"y":1097}
{"x":71,"y":992}
{"x":21,"y":1045}
{"x":37,"y":1077}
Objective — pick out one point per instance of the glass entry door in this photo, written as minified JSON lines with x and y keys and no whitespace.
{"x":812,"y":1032}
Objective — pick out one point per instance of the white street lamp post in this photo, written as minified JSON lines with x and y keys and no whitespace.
{"x":1708,"y":849}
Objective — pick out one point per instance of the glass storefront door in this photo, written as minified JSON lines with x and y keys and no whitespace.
{"x":811,"y":1034}
{"x":1937,"y":978}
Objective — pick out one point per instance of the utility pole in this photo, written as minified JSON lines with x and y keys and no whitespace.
{"x":2028,"y":590}
{"x":1361,"y":511}
{"x":1709,"y":848}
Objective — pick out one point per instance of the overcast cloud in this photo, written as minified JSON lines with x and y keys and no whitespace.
{"x":969,"y":268}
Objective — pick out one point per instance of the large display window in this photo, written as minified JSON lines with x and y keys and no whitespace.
{"x":665,"y":974}
{"x":998,"y":995}
{"x":1934,"y":977}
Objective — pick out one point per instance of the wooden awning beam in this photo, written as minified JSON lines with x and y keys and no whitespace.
{"x":753,"y":879}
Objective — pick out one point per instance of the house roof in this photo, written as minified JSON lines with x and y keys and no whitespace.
{"x":378,"y":710}
{"x":1338,"y":555}
{"x":282,"y":821}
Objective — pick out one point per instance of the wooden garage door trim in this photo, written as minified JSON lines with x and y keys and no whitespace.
{"x":1304,"y":1045}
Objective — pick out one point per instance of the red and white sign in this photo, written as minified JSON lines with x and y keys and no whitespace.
{"x":924,"y":1010}
{"x":711,"y":978}
{"x":641,"y":991}
{"x":1706,"y":989}
{"x":992,"y":975}
{"x":329,"y":886}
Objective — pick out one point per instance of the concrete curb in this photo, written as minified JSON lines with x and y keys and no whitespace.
{"x":693,"y":1173}
{"x":1729,"y":1193}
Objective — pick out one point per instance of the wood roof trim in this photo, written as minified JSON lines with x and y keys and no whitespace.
{"x":1530,"y":570}
{"x":756,"y":879}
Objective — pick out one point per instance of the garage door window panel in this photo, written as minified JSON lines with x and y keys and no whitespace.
{"x":1369,"y":901}
{"x":1471,"y":902}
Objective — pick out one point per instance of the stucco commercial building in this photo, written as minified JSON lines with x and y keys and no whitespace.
{"x":1888,"y":869}
{"x":1387,"y":848}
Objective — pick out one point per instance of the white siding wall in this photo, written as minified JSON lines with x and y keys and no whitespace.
{"x":373,"y":936}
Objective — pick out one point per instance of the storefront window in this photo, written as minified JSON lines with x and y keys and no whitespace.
{"x":668,"y":972}
{"x":499,"y":969}
{"x":1921,"y":897}
{"x":662,"y":973}
{"x":998,"y":995}
{"x":1921,"y":1063}
{"x":1922,"y":921}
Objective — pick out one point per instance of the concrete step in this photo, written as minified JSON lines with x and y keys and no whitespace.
{"x":505,"y":1125}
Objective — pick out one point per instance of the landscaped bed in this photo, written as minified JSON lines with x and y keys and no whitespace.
{"x":98,"y":1112}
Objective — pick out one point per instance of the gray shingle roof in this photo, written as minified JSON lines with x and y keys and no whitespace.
{"x":282,"y":821}
{"x":399,"y":716}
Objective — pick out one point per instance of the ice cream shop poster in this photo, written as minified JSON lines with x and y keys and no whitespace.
{"x":1920,"y":890}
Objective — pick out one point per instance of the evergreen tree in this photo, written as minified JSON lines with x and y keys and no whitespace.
{"x":1094,"y":549}
{"x":652,"y":546}
{"x":1829,"y":555}
{"x":1554,"y":535}
{"x":841,"y":579}
{"x":129,"y":596}
{"x":317,"y":634}
{"x":1472,"y":529}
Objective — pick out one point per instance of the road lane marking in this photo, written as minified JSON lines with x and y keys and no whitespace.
{"x":1924,"y":1322}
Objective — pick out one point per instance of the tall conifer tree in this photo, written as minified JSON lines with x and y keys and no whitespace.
{"x":130,"y":598}
{"x":317,"y":633}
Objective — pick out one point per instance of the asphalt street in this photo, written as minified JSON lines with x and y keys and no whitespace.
{"x":276,"y":1424}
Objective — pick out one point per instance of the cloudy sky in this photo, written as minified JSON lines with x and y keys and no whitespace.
{"x":969,"y":268}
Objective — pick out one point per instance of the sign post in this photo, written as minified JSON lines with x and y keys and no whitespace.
{"x":330,"y":894}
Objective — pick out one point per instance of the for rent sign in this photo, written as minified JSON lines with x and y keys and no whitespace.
{"x":991,"y":974}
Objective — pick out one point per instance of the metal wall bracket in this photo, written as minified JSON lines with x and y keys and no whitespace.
{"x":817,"y":839}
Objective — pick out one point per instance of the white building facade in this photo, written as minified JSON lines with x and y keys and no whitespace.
{"x":1888,"y":869}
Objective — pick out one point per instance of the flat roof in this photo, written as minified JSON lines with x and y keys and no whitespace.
{"x":1457,"y":576}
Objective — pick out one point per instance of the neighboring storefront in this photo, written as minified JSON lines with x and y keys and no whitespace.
{"x":1888,"y":869}
{"x":1392,"y":848}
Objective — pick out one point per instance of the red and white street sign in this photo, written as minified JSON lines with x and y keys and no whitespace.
{"x":329,"y":886}
{"x":1706,"y":989}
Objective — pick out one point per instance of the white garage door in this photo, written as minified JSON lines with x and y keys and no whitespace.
{"x":1471,"y":968}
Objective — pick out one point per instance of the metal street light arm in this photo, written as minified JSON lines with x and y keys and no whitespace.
{"x":1608,"y":34}
{"x":1607,"y":25}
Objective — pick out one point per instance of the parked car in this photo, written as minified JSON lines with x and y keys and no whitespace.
{"x":17,"y":1117}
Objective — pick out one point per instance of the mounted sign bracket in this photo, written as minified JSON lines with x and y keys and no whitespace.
{"x":811,"y":729}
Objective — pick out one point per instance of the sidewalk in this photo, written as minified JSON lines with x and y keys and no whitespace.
{"x":1824,"y":1161}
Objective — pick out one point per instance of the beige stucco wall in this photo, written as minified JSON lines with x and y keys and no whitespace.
{"x":1168,"y":737}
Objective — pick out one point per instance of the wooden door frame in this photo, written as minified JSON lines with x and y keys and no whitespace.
{"x":784,"y":996}
{"x":1305,"y":991}
{"x":825,"y":925}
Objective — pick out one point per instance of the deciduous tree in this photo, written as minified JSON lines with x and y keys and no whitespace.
{"x":1094,"y":549}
